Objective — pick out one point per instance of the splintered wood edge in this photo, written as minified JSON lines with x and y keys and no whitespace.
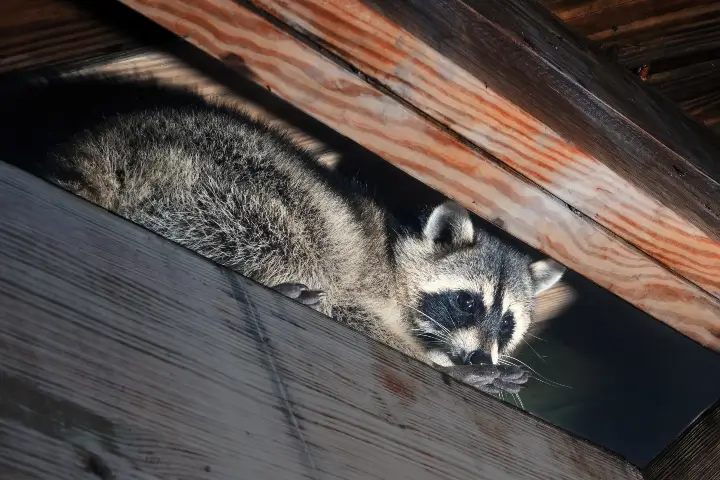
{"x":418,"y":74}
{"x":127,"y":355}
{"x":304,"y":77}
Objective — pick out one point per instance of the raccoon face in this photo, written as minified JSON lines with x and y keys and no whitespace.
{"x":473,"y":298}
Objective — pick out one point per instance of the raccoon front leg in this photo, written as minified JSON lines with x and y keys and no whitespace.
{"x":301,"y":293}
{"x":492,"y":379}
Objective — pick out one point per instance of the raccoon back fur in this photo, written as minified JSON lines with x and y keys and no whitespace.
{"x":243,"y":194}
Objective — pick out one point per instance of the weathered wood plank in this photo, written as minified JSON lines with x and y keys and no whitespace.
{"x":125,"y":349}
{"x":38,"y":33}
{"x":662,"y":35}
{"x":442,"y":89}
{"x":344,"y":101}
{"x":695,"y":455}
{"x":660,"y":29}
{"x":685,"y":82}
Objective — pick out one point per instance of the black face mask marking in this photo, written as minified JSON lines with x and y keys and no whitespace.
{"x":457,"y":309}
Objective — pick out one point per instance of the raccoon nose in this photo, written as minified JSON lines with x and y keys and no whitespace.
{"x":477,"y":357}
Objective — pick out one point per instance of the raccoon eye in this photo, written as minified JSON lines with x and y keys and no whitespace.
{"x":465,"y":302}
{"x":508,"y":325}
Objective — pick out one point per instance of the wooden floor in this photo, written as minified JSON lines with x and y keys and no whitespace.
{"x":674,"y":44}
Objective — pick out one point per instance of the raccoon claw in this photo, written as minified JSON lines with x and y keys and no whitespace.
{"x":301,"y":293}
{"x":492,"y":379}
{"x":512,"y":379}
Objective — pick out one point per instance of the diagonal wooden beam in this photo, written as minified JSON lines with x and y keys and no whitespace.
{"x":297,"y":71}
{"x":127,"y":356}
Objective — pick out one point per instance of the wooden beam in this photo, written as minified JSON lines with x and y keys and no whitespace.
{"x":127,"y":356}
{"x":695,"y":455}
{"x":344,"y":100}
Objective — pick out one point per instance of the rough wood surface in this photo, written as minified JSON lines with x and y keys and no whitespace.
{"x":662,"y":36}
{"x":38,"y":33}
{"x":695,"y":455}
{"x":126,"y":356}
{"x":343,"y":100}
{"x":442,"y":89}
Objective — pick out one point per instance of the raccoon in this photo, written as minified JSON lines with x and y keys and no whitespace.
{"x":243,"y":194}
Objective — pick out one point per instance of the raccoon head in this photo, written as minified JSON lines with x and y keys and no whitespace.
{"x":470,"y":295}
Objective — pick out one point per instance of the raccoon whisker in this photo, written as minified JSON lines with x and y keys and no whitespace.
{"x":450,"y":315}
{"x":517,"y":395}
{"x":535,"y":336}
{"x":539,"y":377}
{"x":533,"y":349}
{"x":442,"y":338}
{"x":438,"y":339}
{"x":442,"y":327}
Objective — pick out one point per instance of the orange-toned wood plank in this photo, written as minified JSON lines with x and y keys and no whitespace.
{"x":341,"y":99}
{"x":463,"y":102}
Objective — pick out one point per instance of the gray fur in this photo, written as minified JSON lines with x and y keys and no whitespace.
{"x":242,"y":194}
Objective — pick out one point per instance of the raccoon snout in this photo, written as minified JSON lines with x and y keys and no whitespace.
{"x":475,"y":357}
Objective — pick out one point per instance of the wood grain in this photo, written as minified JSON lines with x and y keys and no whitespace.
{"x":38,"y":33}
{"x":463,"y":102}
{"x":672,"y":30}
{"x":126,"y":354}
{"x":663,"y":35}
{"x":531,"y":58}
{"x":695,"y":455}
{"x":342,"y":100}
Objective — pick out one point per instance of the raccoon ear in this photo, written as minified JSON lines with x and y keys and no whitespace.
{"x":545,"y":274}
{"x":450,"y":223}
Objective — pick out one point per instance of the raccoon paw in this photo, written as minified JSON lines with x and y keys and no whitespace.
{"x":492,"y":379}
{"x":512,"y":379}
{"x":301,"y":293}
